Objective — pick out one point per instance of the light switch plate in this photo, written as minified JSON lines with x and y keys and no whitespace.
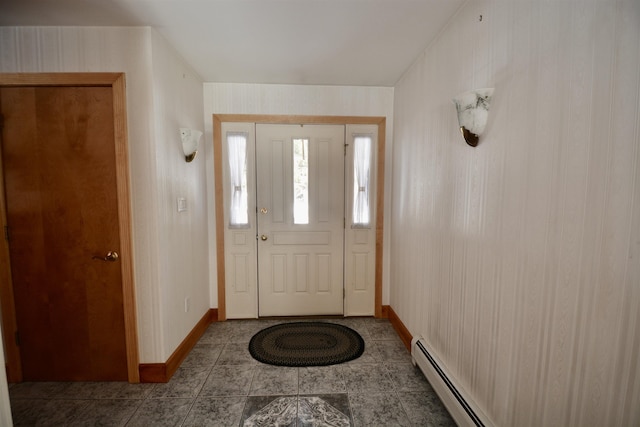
{"x":182,"y":204}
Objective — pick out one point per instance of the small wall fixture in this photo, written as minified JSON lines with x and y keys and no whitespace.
{"x":473,"y":110}
{"x":190,"y":138}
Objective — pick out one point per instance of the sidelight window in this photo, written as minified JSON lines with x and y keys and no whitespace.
{"x":237,"y":149}
{"x":362,"y":157}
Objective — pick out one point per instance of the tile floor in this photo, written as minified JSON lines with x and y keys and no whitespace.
{"x":220,"y":384}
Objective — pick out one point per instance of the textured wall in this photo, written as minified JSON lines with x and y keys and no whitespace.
{"x":159,"y":100}
{"x":519,"y":260}
{"x":183,"y":251}
{"x":225,"y":98}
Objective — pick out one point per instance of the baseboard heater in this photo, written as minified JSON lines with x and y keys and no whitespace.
{"x":457,"y":402}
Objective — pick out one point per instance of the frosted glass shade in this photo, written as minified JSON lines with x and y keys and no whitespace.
{"x":473,"y":111}
{"x":190,"y":139}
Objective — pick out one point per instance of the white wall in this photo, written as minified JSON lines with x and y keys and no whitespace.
{"x":5,"y":404}
{"x":231,"y":98}
{"x":519,"y":260}
{"x":184,"y":256}
{"x":163,"y":93}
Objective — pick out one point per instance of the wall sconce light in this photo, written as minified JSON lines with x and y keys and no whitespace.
{"x":190,"y":138}
{"x":473,"y":111}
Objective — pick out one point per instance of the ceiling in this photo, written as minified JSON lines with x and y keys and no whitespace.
{"x":315,"y":42}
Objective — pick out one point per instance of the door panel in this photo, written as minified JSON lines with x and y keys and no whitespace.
{"x":241,"y":284}
{"x":300,"y":219}
{"x":360,"y":239}
{"x":59,"y":166}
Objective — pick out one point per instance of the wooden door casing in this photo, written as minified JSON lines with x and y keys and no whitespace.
{"x":220,"y":225}
{"x":97,"y":297}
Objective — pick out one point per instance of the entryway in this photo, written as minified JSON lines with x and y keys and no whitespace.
{"x":297,"y":215}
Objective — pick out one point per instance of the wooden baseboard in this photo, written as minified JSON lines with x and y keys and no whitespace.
{"x":153,"y":373}
{"x":402,"y":330}
{"x":162,"y":372}
{"x":384,"y":312}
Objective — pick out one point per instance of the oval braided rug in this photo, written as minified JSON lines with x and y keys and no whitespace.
{"x":306,"y":344}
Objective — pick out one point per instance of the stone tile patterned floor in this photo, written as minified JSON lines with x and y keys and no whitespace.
{"x":220,"y":384}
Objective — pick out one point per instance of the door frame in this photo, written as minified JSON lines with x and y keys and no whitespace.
{"x":218,"y":119}
{"x":7,"y":303}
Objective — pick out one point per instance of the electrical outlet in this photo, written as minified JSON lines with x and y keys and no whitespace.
{"x":186,"y":304}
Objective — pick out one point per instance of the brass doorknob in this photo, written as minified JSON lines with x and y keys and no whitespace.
{"x":263,"y":237}
{"x":111,"y":256}
{"x":264,"y":210}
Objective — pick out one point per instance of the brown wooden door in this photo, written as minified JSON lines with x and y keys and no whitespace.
{"x":60,"y":184}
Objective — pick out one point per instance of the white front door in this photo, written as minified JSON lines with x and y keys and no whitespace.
{"x":300,"y":219}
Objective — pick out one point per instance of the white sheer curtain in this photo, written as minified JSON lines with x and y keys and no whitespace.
{"x":237,"y":151}
{"x":361,"y":177}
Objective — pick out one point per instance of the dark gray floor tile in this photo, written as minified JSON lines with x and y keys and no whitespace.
{"x":133,"y":391}
{"x":236,"y":354}
{"x":367,"y":378}
{"x":424,"y":408}
{"x":244,"y":332}
{"x":274,"y":380}
{"x":217,"y":333}
{"x":161,"y":413}
{"x":229,"y":380}
{"x":203,"y":355}
{"x":406,"y":377}
{"x":321,"y":379}
{"x":393,"y":351}
{"x":382,"y":330}
{"x":88,"y":390}
{"x":37,"y":390}
{"x":216,"y":412}
{"x":105,"y":390}
{"x":377,"y":410}
{"x":186,"y":382}
{"x":109,"y":412}
{"x":45,"y":412}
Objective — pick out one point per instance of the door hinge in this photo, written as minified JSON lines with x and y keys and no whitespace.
{"x":17,"y":338}
{"x":345,"y":149}
{"x":344,"y":293}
